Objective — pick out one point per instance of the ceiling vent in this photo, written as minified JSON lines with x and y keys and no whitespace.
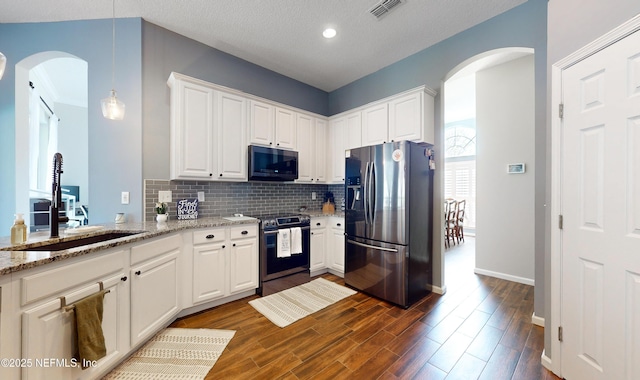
{"x":384,"y":7}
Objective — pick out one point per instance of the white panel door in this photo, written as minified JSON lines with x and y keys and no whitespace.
{"x":285,"y":129}
{"x":338,"y":144}
{"x":261,"y":122}
{"x":231,"y":129}
{"x":305,"y":132}
{"x":601,"y":208}
{"x":354,"y":130}
{"x":243,"y":265}
{"x":209,"y":270}
{"x":320,"y":161}
{"x":405,"y":118}
{"x":375,"y":125}
{"x":192,"y":156}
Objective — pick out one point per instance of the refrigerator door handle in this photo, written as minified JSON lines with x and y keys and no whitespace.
{"x":372,"y":186}
{"x":372,"y":246}
{"x":366,"y":195}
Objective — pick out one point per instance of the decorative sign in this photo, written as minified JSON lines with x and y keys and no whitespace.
{"x":515,"y":168}
{"x":187,"y":209}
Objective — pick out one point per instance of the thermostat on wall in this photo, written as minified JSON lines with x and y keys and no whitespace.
{"x":515,"y":168}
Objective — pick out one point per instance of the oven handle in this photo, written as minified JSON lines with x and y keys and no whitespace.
{"x":276,"y":231}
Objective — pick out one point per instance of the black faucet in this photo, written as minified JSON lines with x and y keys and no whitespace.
{"x":56,"y":198}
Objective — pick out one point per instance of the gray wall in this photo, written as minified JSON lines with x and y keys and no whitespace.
{"x":114,"y":147}
{"x":523,"y":26}
{"x":505,"y":202}
{"x":572,"y":25}
{"x":165,"y":51}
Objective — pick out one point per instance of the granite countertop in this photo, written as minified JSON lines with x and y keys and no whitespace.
{"x":14,"y":261}
{"x":319,"y":213}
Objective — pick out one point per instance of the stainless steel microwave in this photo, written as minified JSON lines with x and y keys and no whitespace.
{"x":271,"y":164}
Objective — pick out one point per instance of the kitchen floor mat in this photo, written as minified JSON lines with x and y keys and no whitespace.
{"x":285,"y":307}
{"x":176,"y":354}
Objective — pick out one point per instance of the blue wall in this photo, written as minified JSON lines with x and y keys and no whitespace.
{"x":115,"y":161}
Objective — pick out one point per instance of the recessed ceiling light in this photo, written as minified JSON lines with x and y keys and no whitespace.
{"x":329,"y":33}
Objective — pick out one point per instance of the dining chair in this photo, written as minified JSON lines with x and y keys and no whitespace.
{"x":459,"y":220}
{"x":450,"y":206}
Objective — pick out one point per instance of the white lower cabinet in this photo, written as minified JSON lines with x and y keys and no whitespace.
{"x":327,"y":245}
{"x":225,"y":262}
{"x":336,"y":247}
{"x":48,"y":330}
{"x":154,"y":286}
{"x":318,"y":246}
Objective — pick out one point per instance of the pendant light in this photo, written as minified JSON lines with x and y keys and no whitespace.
{"x":3,"y":63}
{"x":112,"y":107}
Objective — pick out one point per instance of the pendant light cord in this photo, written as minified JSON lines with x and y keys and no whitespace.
{"x":113,"y":46}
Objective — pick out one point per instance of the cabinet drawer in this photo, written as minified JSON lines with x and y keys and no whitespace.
{"x":243,"y":232}
{"x":209,"y":236}
{"x":54,"y":281}
{"x":318,"y":223}
{"x":338,"y":223}
{"x":155,"y":248}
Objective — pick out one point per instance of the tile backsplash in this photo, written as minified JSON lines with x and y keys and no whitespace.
{"x":227,"y":198}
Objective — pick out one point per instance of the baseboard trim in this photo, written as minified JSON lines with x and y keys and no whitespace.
{"x":538,"y":321}
{"x":546,"y":361}
{"x":504,"y":276}
{"x":437,"y":289}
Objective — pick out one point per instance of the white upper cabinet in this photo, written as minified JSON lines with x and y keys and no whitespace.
{"x":272,"y":126}
{"x":320,"y":161}
{"x":337,"y":131}
{"x":192,"y":139}
{"x":354,"y":130}
{"x":305,"y":129}
{"x":231,"y":129}
{"x":208,"y":131}
{"x":285,"y":128}
{"x":261,"y":123}
{"x":375,"y":125}
{"x":411,"y":117}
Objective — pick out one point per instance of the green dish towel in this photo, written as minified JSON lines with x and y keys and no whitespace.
{"x":90,"y":339}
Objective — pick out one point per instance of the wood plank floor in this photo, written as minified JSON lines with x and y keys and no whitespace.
{"x":480,"y":329}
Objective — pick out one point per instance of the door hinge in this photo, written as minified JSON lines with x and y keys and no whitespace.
{"x":561,"y":110}
{"x":560,"y":221}
{"x":560,"y":333}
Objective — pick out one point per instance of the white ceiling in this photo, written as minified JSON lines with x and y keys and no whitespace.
{"x":286,"y":35}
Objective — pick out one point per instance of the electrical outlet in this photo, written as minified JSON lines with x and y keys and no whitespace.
{"x":124,"y":198}
{"x":200,"y":196}
{"x":164,"y":196}
{"x":313,"y":196}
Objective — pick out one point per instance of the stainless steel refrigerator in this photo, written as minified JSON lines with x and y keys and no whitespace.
{"x":389,"y":221}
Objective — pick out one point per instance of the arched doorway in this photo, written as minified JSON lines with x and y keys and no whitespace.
{"x":476,"y":160}
{"x":51,"y":115}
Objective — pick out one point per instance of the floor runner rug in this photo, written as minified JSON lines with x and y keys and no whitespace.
{"x":176,"y":354}
{"x":285,"y":307}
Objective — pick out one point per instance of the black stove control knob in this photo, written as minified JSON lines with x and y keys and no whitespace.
{"x":270,"y":223}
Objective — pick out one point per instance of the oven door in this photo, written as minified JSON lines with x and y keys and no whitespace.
{"x":271,"y":266}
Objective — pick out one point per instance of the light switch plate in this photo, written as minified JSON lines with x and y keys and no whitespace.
{"x":200,"y":196}
{"x":164,"y":196}
{"x":124,"y":198}
{"x":313,"y":196}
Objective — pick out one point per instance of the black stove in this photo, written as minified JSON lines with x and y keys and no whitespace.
{"x":279,"y":272}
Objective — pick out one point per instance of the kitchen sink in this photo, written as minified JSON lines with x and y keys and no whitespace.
{"x":67,"y":244}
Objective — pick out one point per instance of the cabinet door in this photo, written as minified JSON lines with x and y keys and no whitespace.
{"x":47,"y":333}
{"x":261,"y":123}
{"x":320,"y":161}
{"x":231,"y":126}
{"x":338,"y":145}
{"x":209,"y":272}
{"x":405,"y":118}
{"x":318,"y":246}
{"x":192,"y":136}
{"x":285,"y":128}
{"x":305,"y":132}
{"x":154,"y":295}
{"x":375,"y":125}
{"x":243,"y":265}
{"x":354,"y":130}
{"x":337,"y":245}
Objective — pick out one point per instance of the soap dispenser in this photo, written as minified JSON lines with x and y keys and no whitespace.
{"x":18,"y":231}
